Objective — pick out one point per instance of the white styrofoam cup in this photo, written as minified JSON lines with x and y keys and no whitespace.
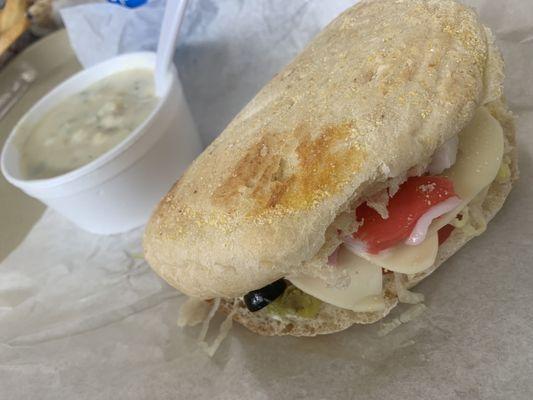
{"x":117,"y":191}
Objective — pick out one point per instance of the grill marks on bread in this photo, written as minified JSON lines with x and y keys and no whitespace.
{"x":265,"y":178}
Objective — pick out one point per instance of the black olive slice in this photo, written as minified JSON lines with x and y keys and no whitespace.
{"x":260,"y":298}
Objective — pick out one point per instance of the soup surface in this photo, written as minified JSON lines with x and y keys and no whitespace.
{"x":88,"y":124}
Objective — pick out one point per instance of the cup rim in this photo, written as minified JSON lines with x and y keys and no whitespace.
{"x":104,"y":158}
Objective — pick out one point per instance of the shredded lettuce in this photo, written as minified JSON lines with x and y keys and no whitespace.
{"x":193,"y":312}
{"x":223,"y":331}
{"x":461,"y":219}
{"x":207,"y":320}
{"x":405,"y":295}
{"x":476,"y":224}
{"x":504,"y":173}
{"x":471,"y":223}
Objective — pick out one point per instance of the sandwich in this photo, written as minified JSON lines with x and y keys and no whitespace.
{"x":358,"y":170}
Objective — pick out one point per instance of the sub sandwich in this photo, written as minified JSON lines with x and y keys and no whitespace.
{"x":369,"y":160}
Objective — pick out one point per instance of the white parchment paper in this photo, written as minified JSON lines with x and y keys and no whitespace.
{"x":82,"y":316}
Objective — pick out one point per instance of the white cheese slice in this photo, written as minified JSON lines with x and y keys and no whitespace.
{"x":407,"y":259}
{"x":479,"y":157}
{"x":481,"y":146}
{"x":363,"y":294}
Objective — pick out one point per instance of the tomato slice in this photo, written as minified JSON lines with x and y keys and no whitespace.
{"x":414,"y":198}
{"x":444,"y":233}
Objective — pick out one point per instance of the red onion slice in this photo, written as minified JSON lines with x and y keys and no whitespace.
{"x":444,"y":157}
{"x":356,"y":246}
{"x":418,"y":235}
{"x":332,"y":259}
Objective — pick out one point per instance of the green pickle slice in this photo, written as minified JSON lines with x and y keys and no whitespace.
{"x":296,"y":303}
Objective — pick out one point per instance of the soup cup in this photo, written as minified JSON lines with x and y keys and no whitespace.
{"x":117,"y":191}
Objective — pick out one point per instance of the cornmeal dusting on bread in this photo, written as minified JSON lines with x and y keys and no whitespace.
{"x":319,"y":173}
{"x":267,"y":181}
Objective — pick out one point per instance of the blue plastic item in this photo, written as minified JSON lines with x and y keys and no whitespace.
{"x":129,"y":3}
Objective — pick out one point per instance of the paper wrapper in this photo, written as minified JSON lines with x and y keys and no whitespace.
{"x":83,"y":316}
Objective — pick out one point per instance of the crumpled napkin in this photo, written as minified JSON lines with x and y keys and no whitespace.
{"x":100,"y":31}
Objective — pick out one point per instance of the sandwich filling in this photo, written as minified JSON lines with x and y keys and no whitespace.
{"x":403,"y":235}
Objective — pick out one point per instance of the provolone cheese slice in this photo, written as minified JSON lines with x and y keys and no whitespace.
{"x":363,"y":294}
{"x":479,"y":157}
{"x":407,"y":259}
{"x":481,"y":146}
